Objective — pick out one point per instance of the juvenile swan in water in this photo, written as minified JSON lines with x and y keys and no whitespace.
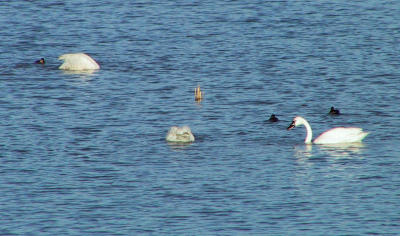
{"x":78,"y":61}
{"x":178,"y":134}
{"x":335,"y":135}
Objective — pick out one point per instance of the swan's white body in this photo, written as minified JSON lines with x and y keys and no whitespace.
{"x":78,"y":61}
{"x":331,"y":136}
{"x":180,"y":135}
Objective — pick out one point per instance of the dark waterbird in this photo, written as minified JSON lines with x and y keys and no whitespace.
{"x":40,"y":61}
{"x":273,"y":118}
{"x":334,"y":111}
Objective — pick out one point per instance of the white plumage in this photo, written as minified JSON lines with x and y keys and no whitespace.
{"x":331,"y":136}
{"x":78,"y":61}
{"x":180,"y":135}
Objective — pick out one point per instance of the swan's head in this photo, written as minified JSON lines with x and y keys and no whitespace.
{"x":40,"y":61}
{"x":296,"y":122}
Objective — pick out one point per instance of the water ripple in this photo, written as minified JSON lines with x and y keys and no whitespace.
{"x":85,"y":153}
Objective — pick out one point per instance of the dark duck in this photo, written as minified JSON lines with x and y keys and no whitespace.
{"x":40,"y":61}
{"x":334,"y":111}
{"x":273,"y":118}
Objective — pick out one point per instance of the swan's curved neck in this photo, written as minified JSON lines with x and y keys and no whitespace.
{"x":309,"y":131}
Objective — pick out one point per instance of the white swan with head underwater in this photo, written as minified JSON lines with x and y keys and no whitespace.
{"x":78,"y":61}
{"x":180,"y":135}
{"x":331,"y":136}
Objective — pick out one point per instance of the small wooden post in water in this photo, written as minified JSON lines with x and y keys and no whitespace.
{"x":198,"y":95}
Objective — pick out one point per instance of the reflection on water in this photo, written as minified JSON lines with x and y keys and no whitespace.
{"x":340,"y":150}
{"x":303,"y":151}
{"x":79,"y":72}
{"x":82,"y":77}
{"x":178,"y":146}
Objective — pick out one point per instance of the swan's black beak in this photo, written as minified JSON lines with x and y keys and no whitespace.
{"x":291,"y":126}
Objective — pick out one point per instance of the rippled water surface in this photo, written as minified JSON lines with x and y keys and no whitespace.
{"x":85,"y":154}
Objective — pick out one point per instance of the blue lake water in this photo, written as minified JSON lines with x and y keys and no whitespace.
{"x":85,"y":154}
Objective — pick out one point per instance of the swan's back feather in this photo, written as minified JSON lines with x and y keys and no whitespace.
{"x":78,"y":61}
{"x":180,"y":134}
{"x":341,"y":135}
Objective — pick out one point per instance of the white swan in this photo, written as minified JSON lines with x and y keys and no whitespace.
{"x":335,"y":135}
{"x":78,"y":61}
{"x":181,"y":135}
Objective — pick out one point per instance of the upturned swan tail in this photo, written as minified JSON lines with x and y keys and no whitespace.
{"x":180,"y":134}
{"x":78,"y":61}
